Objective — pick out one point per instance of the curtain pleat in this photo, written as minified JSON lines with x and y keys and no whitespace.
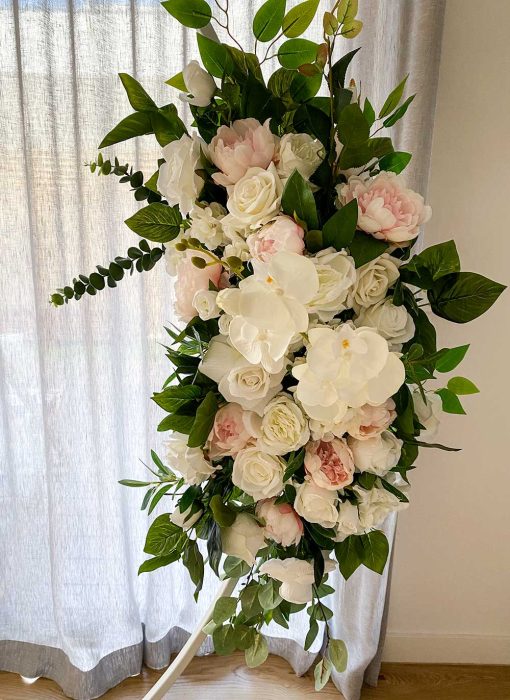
{"x":75,"y":412}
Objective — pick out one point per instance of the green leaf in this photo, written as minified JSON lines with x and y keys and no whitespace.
{"x":137,"y":96}
{"x":133,"y":483}
{"x":294,"y":463}
{"x":235,"y":568}
{"x":175,"y":397}
{"x":268,"y":19}
{"x":221,"y":513}
{"x":163,"y":536}
{"x":349,"y":554}
{"x":297,"y":199}
{"x":191,"y":13}
{"x":353,"y":128}
{"x":312,"y":120}
{"x":347,"y":10}
{"x":368,"y":112}
{"x":393,"y":118}
{"x":299,"y":18}
{"x":356,"y":156}
{"x":214,"y":547}
{"x":136,"y":124}
{"x":337,"y":652}
{"x":180,"y":424}
{"x":244,"y":637}
{"x":339,"y":230}
{"x":311,"y":634}
{"x":156,"y":222}
{"x":250,"y":600}
{"x":431,"y":264}
{"x":375,"y":550}
{"x":295,"y":52}
{"x":203,"y":421}
{"x":177,"y":81}
{"x":463,"y":296}
{"x":395,"y":162}
{"x":462,"y":386}
{"x":339,"y":69}
{"x":224,"y":640}
{"x":215,"y":56}
{"x":269,"y":597}
{"x":322,"y":673}
{"x":158,"y":562}
{"x":167,"y":125}
{"x":224,"y":609}
{"x":157,"y":498}
{"x":364,"y":248}
{"x":450,"y":401}
{"x":194,"y":561}
{"x":393,"y":99}
{"x":451,"y":358}
{"x":258,"y":652}
{"x":304,"y":88}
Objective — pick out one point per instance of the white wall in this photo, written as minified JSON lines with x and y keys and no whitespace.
{"x":450,"y":598}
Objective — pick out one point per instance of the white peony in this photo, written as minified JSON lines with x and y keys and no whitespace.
{"x":348,"y":522}
{"x":268,"y":308}
{"x":337,"y":276}
{"x":373,"y":281}
{"x":187,"y":519}
{"x":255,"y":198}
{"x":258,"y":474}
{"x":204,"y":301}
{"x":429,"y":412}
{"x":296,"y":575}
{"x":315,"y":504}
{"x":378,"y":454}
{"x":283,"y":427}
{"x":199,"y":84}
{"x":392,"y":322}
{"x":299,"y":152}
{"x":243,"y":538}
{"x":188,"y":461}
{"x":239,"y":381}
{"x":375,"y":505}
{"x":206,"y":224}
{"x":281,"y":522}
{"x":177,"y":179}
{"x":345,"y":367}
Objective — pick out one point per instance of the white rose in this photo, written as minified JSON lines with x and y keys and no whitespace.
{"x":348,"y":522}
{"x":315,"y":504}
{"x":429,"y":412}
{"x":296,"y":575}
{"x":345,"y":367}
{"x":392,"y":322}
{"x":177,"y":179}
{"x":243,"y":539}
{"x":258,"y":474}
{"x":187,"y":519}
{"x":337,"y":275}
{"x":224,"y":323}
{"x":255,"y":198}
{"x":199,"y":84}
{"x":375,"y":505}
{"x":299,"y":152}
{"x":281,"y":522}
{"x":206,"y":224}
{"x":373,"y":281}
{"x":204,"y":302}
{"x":188,"y":461}
{"x":251,"y":386}
{"x":378,"y":454}
{"x":283,"y":427}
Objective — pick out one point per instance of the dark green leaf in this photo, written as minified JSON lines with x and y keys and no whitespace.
{"x":215,"y":56}
{"x":174,"y":397}
{"x":431,"y":264}
{"x":178,"y":423}
{"x":268,"y":19}
{"x":235,"y":568}
{"x":194,"y":561}
{"x":137,"y":96}
{"x":395,"y":162}
{"x":357,"y":156}
{"x":368,"y":112}
{"x":294,"y":463}
{"x":297,"y":198}
{"x":295,"y":52}
{"x":269,"y":597}
{"x":364,"y":248}
{"x":353,"y":128}
{"x":450,"y":358}
{"x":191,"y":13}
{"x":135,"y":124}
{"x":375,"y":550}
{"x":157,"y":222}
{"x":393,"y":118}
{"x":224,"y":609}
{"x":203,"y":421}
{"x":339,"y":230}
{"x":157,"y":498}
{"x":339,"y":69}
{"x":214,"y":548}
{"x":311,"y":634}
{"x":250,"y":600}
{"x":224,"y":640}
{"x":393,"y":99}
{"x":221,"y":513}
{"x":158,"y":562}
{"x":349,"y":554}
{"x":167,"y":125}
{"x":163,"y":536}
{"x":311,"y":120}
{"x":463,"y":296}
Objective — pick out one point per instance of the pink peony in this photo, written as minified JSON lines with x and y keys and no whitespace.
{"x":237,"y":148}
{"x":329,"y":464}
{"x":230,"y":433}
{"x":281,"y":234}
{"x":387,"y":209}
{"x":282,"y":523}
{"x":370,"y":421}
{"x":189,"y":280}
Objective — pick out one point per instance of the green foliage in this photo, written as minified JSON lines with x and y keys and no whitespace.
{"x":268,"y":19}
{"x":364,"y":248}
{"x":298,"y":19}
{"x":215,"y":57}
{"x":295,"y":52}
{"x":136,"y":124}
{"x":235,"y":568}
{"x":322,"y":673}
{"x":191,"y":13}
{"x":258,"y":652}
{"x":174,"y":398}
{"x":393,"y":99}
{"x":395,"y":162}
{"x":140,"y":259}
{"x":450,"y":358}
{"x":297,"y":200}
{"x":450,"y":401}
{"x":221,"y":513}
{"x":370,"y":549}
{"x":339,"y":230}
{"x":431,"y":264}
{"x":157,"y":222}
{"x":462,"y":386}
{"x":224,"y":609}
{"x":339,"y":69}
{"x":353,"y":129}
{"x":138,"y":98}
{"x":204,"y":420}
{"x":463,"y":296}
{"x":337,"y":654}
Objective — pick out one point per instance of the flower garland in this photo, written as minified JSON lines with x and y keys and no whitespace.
{"x":297,"y":402}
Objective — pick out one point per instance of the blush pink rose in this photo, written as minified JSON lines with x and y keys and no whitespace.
{"x":237,"y":148}
{"x":387,"y":209}
{"x":330,"y":464}
{"x":281,"y":234}
{"x":189,"y":280}
{"x":230,"y":433}
{"x":370,"y":421}
{"x":282,"y":523}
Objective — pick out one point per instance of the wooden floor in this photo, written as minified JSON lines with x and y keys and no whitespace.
{"x":227,"y":678}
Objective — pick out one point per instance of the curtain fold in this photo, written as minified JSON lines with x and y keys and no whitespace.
{"x":75,"y":412}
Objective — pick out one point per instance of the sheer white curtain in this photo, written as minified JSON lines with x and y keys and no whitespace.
{"x":75,"y":382}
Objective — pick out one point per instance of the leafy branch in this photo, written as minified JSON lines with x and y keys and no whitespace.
{"x":142,"y":259}
{"x":125,"y":172}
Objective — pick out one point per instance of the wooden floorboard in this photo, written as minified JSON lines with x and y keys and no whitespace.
{"x":227,"y":678}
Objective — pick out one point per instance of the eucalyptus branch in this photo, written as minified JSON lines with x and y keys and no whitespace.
{"x":126,"y":174}
{"x":140,"y":259}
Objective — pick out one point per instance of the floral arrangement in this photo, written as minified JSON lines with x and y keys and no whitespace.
{"x":298,"y":399}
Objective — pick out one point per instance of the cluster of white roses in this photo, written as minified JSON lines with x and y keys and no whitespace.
{"x":291,"y":373}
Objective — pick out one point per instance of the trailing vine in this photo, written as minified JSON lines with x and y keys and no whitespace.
{"x":147,"y":191}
